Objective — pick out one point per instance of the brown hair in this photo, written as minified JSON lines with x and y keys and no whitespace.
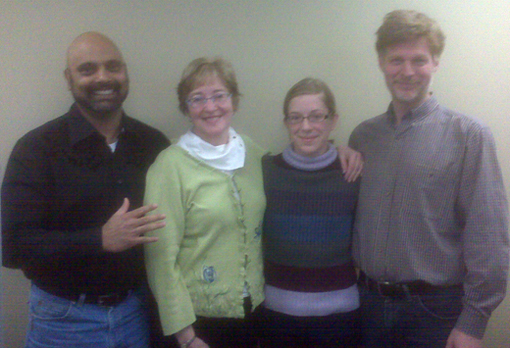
{"x":310,"y":86}
{"x":403,"y":25}
{"x":199,"y":71}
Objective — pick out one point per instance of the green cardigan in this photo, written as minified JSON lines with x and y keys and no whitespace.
{"x":211,"y":244}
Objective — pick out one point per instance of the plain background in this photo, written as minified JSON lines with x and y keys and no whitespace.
{"x":272,"y":44}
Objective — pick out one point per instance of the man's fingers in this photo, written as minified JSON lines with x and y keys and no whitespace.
{"x":146,"y":221}
{"x":124,"y":207}
{"x":145,"y":240}
{"x":142,"y":210}
{"x":149,"y":227}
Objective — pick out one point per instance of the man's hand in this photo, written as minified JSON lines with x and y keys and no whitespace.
{"x":125,"y":229}
{"x":459,"y":339}
{"x":352,"y":162}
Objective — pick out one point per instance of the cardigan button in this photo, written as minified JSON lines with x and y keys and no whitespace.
{"x":209,"y":274}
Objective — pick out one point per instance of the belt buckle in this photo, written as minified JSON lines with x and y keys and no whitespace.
{"x":382,"y":286}
{"x":389,"y":289}
{"x":108,"y":300}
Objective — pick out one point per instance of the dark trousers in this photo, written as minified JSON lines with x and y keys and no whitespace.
{"x":281,"y":330}
{"x":228,"y":332}
{"x":412,"y":321}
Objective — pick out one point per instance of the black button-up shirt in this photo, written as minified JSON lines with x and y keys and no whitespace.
{"x":62,"y":183}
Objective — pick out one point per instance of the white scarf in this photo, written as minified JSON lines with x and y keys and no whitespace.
{"x":226,"y":157}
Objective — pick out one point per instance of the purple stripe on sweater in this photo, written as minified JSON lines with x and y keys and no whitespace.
{"x":309,"y":279}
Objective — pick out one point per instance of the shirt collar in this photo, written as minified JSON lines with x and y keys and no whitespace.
{"x":415,"y":114}
{"x":80,"y":128}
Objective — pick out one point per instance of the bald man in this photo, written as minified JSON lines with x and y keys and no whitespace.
{"x":72,"y":214}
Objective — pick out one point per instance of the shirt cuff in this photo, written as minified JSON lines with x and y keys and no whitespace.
{"x":472,"y":323}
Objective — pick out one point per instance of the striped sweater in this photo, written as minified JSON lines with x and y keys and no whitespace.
{"x":307,"y":239}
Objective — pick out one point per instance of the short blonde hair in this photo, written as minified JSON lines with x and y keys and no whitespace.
{"x":199,"y":71}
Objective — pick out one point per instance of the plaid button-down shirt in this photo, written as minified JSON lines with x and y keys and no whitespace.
{"x":432,"y":206}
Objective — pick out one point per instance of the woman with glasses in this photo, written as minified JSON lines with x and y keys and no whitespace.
{"x":311,"y":296}
{"x":206,"y":269}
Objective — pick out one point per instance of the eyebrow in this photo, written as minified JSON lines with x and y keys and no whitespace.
{"x":108,"y":62}
{"x":311,"y":111}
{"x":86,"y":65}
{"x":192,"y":94}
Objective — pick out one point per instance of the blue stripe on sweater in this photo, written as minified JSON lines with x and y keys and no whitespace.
{"x":317,"y":229}
{"x":307,"y":241}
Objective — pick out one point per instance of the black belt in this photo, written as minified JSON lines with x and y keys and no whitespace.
{"x":107,"y":300}
{"x":400,"y":290}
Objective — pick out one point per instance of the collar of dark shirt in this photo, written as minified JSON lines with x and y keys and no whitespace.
{"x":80,"y":128}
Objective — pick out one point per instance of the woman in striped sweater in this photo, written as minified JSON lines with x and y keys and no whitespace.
{"x":311,"y":293}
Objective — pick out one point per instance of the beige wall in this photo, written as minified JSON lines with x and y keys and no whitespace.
{"x":272,"y":45}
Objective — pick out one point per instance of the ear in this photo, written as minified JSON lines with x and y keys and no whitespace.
{"x":67,"y":75}
{"x":380,"y":60}
{"x":286,"y":124}
{"x":435,"y":63}
{"x":334,"y":120}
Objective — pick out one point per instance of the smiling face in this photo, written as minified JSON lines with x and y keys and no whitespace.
{"x":96,"y":75}
{"x":212,"y":120}
{"x":310,"y":139}
{"x":408,"y":68}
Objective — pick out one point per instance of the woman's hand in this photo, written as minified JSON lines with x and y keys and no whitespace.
{"x":198,"y":343}
{"x":352,"y":162}
{"x":188,"y":339}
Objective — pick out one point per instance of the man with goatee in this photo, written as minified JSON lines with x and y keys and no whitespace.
{"x":72,"y":214}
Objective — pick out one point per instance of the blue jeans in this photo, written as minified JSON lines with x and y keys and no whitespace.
{"x":412,"y":321}
{"x":58,"y":322}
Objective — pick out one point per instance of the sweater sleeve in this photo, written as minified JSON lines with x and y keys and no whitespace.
{"x":164,"y":188}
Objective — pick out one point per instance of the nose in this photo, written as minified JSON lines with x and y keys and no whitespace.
{"x":408,"y":69}
{"x":103,"y":74}
{"x":210,"y":104}
{"x":306,"y":125}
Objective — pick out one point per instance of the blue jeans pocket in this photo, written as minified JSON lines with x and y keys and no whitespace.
{"x":57,"y":322}
{"x":45,"y":306}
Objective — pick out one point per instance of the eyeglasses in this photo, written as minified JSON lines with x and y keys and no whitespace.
{"x":295,"y":119}
{"x":200,"y":101}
